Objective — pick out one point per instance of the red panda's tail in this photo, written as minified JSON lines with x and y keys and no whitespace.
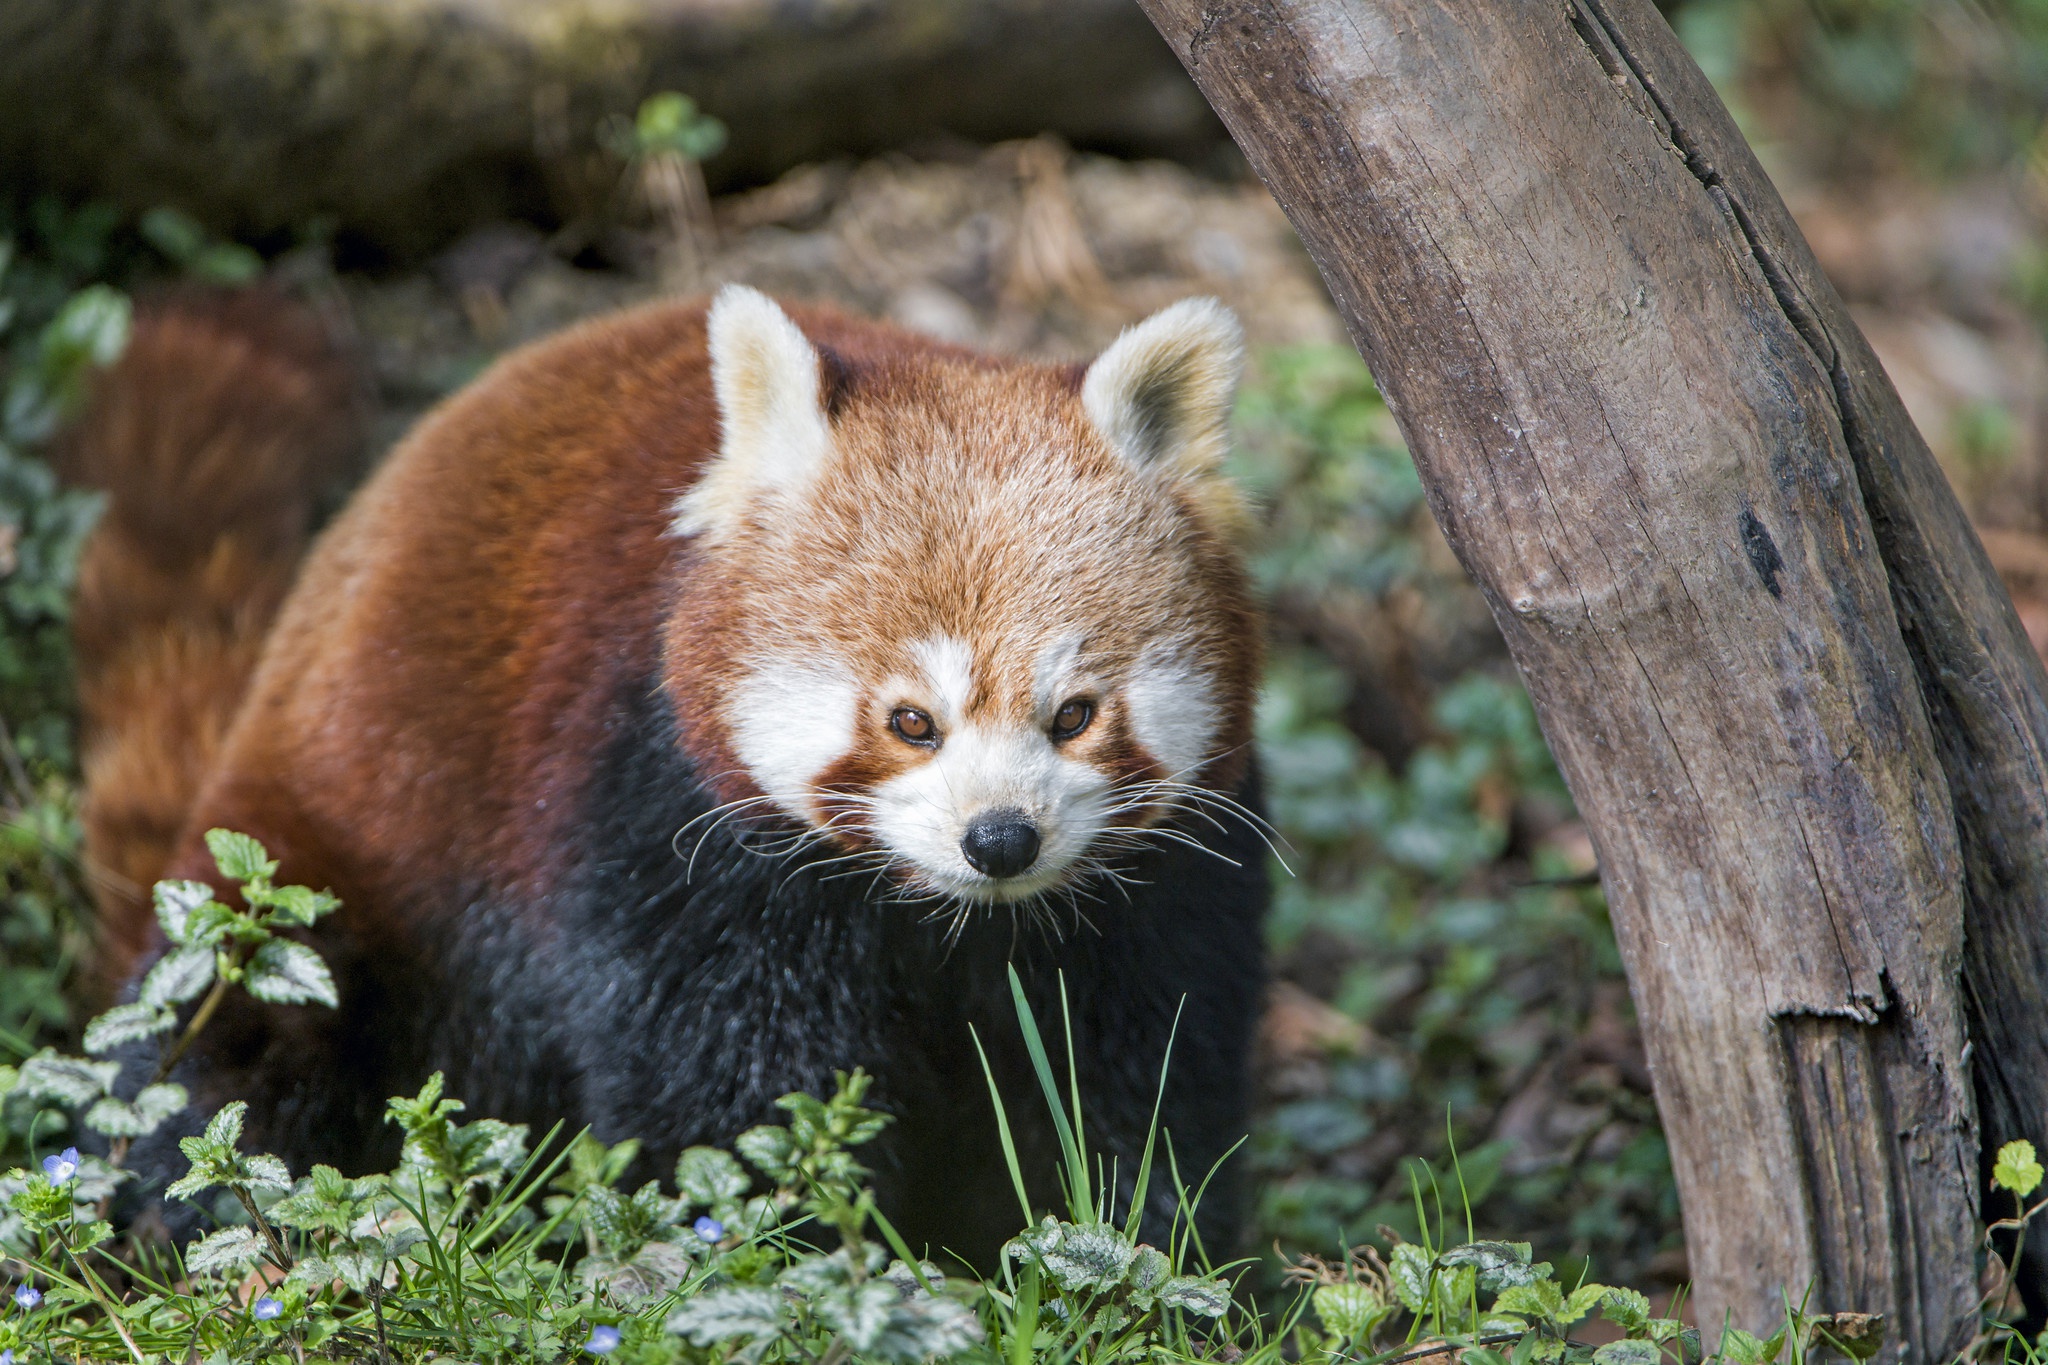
{"x":212,"y":436}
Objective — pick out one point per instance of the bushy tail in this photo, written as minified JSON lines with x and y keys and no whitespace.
{"x":212,"y":436}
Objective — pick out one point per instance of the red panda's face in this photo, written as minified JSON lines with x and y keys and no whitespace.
{"x":987,"y":630}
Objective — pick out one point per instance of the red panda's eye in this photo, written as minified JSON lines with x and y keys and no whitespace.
{"x":914,"y":726}
{"x":1072,"y":718}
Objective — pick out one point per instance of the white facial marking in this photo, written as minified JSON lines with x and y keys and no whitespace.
{"x":1055,"y":676}
{"x":948,"y":668}
{"x":788,"y":722}
{"x":922,"y":814}
{"x":1173,"y":708}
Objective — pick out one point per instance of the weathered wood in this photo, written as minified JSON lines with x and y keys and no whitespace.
{"x":1979,"y":678}
{"x":407,"y":121}
{"x":1785,"y":687}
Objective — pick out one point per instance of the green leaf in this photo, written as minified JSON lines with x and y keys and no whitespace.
{"x":173,"y":233}
{"x":707,"y":1178}
{"x":1202,"y":1295}
{"x":287,"y":973}
{"x":178,"y":976}
{"x":353,"y":1268}
{"x":1634,"y":1351}
{"x":723,"y":1315}
{"x":202,"y":1177}
{"x":213,"y":922}
{"x":40,"y":1204}
{"x":228,"y":1250}
{"x":1742,"y":1348}
{"x":91,"y":329}
{"x":811,"y":1276}
{"x":1149,"y":1273}
{"x":773,"y":1151}
{"x":858,"y":1313}
{"x":239,"y":857}
{"x":2017,"y":1168}
{"x":227,"y":263}
{"x":266,"y":1172}
{"x":175,"y":902}
{"x":1499,"y":1265}
{"x":653,"y":1271}
{"x":51,"y":1076}
{"x":298,"y":906}
{"x":1541,"y":1300}
{"x":1408,"y":1268}
{"x":1626,"y":1309}
{"x":926,"y":1327}
{"x":671,"y":122}
{"x":89,"y":1233}
{"x":1662,"y":1329}
{"x":1580,"y":1302}
{"x":128,"y":1023}
{"x":224,"y":1129}
{"x":1081,"y":1258}
{"x":138,"y":1117}
{"x":1350,"y":1310}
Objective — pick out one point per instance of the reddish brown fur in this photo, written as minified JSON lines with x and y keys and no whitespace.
{"x":389,"y":726}
{"x":461,"y":722}
{"x":975,"y":570}
{"x":210,"y":436}
{"x":537,"y":503}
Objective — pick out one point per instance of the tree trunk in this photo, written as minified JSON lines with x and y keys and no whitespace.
{"x":407,"y":121}
{"x":1790,"y":696}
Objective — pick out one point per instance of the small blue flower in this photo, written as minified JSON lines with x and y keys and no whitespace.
{"x":7,"y":1356}
{"x":710,"y":1229}
{"x":28,"y":1296}
{"x":265,"y":1308}
{"x":603,"y":1341}
{"x":62,"y":1167}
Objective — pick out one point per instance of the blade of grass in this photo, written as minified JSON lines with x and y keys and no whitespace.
{"x":901,"y":1248}
{"x":1024,"y":1322}
{"x":1144,"y":1181}
{"x":1078,"y":1200}
{"x":1086,"y":1209}
{"x":1003,"y":1127}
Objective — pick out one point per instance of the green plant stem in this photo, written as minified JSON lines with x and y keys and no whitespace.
{"x":200,"y":1018}
{"x":99,"y":1294}
{"x":277,"y":1252}
{"x":377,"y":1306}
{"x":118,"y":1151}
{"x":1442,"y":1348}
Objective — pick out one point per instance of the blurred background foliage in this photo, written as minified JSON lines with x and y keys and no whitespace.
{"x":1870,"y":87}
{"x":1443,"y":966}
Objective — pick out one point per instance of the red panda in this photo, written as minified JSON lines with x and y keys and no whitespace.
{"x":709,"y":698}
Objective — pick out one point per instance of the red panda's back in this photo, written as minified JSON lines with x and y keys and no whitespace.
{"x":440,"y":670}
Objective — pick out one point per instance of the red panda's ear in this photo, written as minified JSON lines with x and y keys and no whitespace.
{"x":1161,"y":394}
{"x":774,"y":434}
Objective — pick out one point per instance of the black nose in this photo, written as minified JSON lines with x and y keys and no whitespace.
{"x":1001,"y":843}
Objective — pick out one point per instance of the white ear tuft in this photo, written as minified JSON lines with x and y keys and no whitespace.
{"x":773,"y":431}
{"x":1161,"y":393}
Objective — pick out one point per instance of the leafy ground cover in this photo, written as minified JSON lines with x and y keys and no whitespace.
{"x":1450,"y":1019}
{"x":485,"y":1245}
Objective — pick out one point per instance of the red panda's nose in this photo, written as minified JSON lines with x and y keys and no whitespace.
{"x":1000,"y":843}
